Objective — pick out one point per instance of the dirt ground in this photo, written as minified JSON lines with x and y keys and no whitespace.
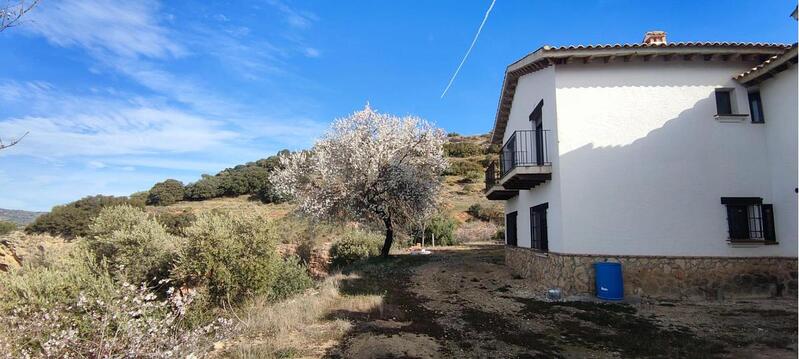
{"x":464,"y":303}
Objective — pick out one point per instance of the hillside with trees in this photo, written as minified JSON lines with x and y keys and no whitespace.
{"x":183,"y":259}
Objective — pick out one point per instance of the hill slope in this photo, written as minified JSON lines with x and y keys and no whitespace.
{"x":19,"y":217}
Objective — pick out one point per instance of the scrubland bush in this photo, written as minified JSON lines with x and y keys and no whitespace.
{"x":443,"y":227}
{"x":73,"y":307}
{"x":500,"y":234}
{"x":471,"y":177}
{"x":110,"y":295}
{"x":462,"y":149}
{"x":476,"y":231}
{"x":233,"y":256}
{"x":463,"y":168}
{"x":138,"y":199}
{"x":176,"y":223}
{"x":206,"y":188}
{"x":7,"y":227}
{"x":486,"y":213}
{"x":73,"y":219}
{"x":135,"y":246}
{"x":292,"y":278}
{"x":166,"y":193}
{"x":354,"y":246}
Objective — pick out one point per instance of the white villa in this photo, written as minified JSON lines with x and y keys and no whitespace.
{"x":678,"y":160}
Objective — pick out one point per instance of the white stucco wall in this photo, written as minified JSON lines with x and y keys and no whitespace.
{"x":779,"y":96}
{"x":531,"y":89}
{"x":643,"y":164}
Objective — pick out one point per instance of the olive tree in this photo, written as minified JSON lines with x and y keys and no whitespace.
{"x":368,"y":167}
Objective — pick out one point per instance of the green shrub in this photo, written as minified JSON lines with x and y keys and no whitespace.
{"x":464,"y":168}
{"x":462,"y":149}
{"x":138,"y":199}
{"x":166,"y":193}
{"x":71,"y":306}
{"x":486,"y":213}
{"x":453,"y":134}
{"x":135,"y":246}
{"x":500,"y":235}
{"x":232,"y":254}
{"x":57,"y":280}
{"x":492,"y":149}
{"x":176,"y":223}
{"x":206,"y":188}
{"x":73,"y":219}
{"x":443,"y":227}
{"x":355,"y":246}
{"x":7,"y":227}
{"x":292,"y":278}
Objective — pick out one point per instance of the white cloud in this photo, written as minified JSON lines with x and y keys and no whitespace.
{"x":294,"y":17}
{"x":96,"y":164}
{"x":124,"y":28}
{"x":312,"y":52}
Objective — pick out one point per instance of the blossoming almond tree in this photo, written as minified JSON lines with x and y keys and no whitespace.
{"x":369,"y":166}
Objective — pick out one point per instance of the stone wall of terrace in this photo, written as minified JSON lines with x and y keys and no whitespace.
{"x":661,"y":277}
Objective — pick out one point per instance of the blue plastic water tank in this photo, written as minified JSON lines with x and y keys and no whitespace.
{"x":609,"y":282}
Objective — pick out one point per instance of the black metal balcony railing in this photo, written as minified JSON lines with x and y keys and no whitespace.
{"x":524,"y":148}
{"x":492,"y":175}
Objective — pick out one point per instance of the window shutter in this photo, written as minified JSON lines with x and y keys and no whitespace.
{"x":769,"y":231}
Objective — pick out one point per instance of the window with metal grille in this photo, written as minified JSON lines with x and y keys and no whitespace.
{"x":538,"y":227}
{"x":748,"y":219}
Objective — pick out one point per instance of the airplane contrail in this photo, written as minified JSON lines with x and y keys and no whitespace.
{"x":470,"y":48}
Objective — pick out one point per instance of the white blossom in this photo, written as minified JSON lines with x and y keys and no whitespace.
{"x":368,"y":166}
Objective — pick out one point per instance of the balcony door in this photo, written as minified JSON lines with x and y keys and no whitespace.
{"x":536,"y":119}
{"x":509,"y":155}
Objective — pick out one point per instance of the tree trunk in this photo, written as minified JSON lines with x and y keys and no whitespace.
{"x":389,"y":237}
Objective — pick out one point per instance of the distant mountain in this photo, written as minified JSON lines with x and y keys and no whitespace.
{"x":19,"y":217}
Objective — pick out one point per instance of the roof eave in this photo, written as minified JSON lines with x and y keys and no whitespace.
{"x":769,"y":69}
{"x":547,"y":56}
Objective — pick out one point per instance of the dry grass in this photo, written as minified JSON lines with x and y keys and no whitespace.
{"x":18,"y":247}
{"x":301,"y":327}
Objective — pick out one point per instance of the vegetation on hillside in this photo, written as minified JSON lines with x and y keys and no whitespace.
{"x":73,"y":219}
{"x":128,"y":274}
{"x":19,"y":217}
{"x":7,"y":227}
{"x":189,"y":253}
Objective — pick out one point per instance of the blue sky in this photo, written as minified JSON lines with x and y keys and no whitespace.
{"x":118,"y":95}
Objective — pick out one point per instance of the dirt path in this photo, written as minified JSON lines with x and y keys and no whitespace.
{"x":464,"y":303}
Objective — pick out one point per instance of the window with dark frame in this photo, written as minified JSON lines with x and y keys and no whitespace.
{"x":510,"y":229}
{"x":538,"y":227}
{"x":724,"y":101}
{"x":756,"y":107}
{"x":749,"y":220}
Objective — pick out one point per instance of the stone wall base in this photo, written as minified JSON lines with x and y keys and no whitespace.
{"x":661,"y":277}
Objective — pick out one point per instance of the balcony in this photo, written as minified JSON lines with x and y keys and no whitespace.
{"x":523,"y":164}
{"x":494,"y":191}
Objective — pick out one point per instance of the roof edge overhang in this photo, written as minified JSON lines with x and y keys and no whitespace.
{"x":548,"y":56}
{"x":768,"y":68}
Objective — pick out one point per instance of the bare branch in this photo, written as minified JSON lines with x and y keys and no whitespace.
{"x":13,"y":141}
{"x":13,"y":10}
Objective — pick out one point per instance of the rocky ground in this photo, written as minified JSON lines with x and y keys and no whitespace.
{"x":464,"y":303}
